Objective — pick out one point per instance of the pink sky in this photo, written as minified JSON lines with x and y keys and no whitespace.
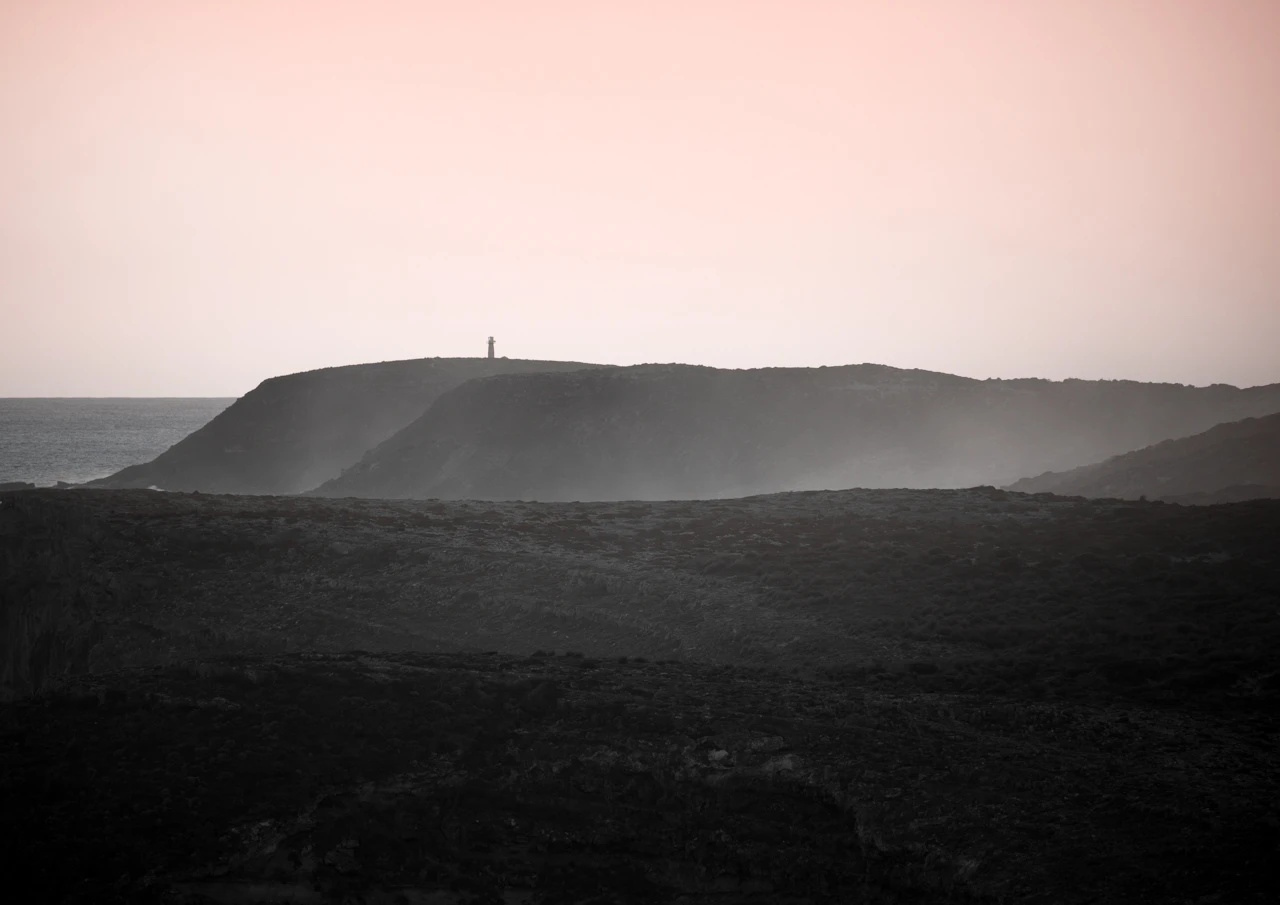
{"x":195,"y":195}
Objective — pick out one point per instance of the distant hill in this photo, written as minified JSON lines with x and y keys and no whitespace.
{"x":680,"y":432}
{"x":293,"y":432}
{"x":1225,"y":464}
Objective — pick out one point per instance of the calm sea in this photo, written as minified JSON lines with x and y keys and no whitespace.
{"x":76,"y":440}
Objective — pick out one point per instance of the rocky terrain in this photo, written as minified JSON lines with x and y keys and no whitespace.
{"x":972,"y":586}
{"x":683,"y":432}
{"x":444,"y":778}
{"x":293,"y":432}
{"x":967,"y":695}
{"x":1225,"y":464}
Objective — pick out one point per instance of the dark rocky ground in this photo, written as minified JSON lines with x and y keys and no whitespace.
{"x":880,"y":696}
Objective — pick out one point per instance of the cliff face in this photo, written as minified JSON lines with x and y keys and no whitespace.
{"x":679,"y":432}
{"x":1227,"y":463}
{"x":293,"y":432}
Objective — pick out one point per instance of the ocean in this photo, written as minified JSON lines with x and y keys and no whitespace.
{"x":75,"y":440}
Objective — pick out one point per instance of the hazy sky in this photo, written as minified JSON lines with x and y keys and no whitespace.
{"x":199,"y":194}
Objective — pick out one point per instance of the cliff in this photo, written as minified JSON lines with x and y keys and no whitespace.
{"x":679,"y":432}
{"x":1228,"y":463}
{"x":295,"y":431}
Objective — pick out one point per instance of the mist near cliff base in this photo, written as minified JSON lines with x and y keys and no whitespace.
{"x":684,"y":432}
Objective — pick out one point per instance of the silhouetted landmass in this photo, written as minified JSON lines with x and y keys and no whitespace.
{"x":293,"y":432}
{"x":683,"y":432}
{"x":880,"y":696}
{"x":1225,"y":464}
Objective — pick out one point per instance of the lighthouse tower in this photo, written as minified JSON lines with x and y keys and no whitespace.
{"x":491,"y":347}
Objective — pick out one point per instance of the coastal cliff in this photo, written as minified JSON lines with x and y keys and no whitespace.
{"x":293,"y":432}
{"x":682,"y":432}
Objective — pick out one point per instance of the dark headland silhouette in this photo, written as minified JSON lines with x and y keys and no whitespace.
{"x":687,"y":432}
{"x":296,"y":431}
{"x":1230,"y":462}
{"x":497,"y":428}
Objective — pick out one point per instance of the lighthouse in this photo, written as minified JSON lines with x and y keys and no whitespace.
{"x":491,"y":347}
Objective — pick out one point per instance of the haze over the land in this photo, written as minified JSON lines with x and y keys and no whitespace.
{"x":197,"y":196}
{"x":1238,"y":460}
{"x":664,"y":432}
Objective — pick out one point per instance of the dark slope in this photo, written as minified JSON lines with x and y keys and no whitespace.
{"x":677,"y":431}
{"x":992,"y":588}
{"x":292,"y":432}
{"x":1227,"y":463}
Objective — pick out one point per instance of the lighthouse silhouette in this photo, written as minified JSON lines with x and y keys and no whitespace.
{"x":491,"y":347}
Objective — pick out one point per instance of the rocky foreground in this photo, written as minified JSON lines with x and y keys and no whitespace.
{"x":862,"y":696}
{"x":551,"y":779}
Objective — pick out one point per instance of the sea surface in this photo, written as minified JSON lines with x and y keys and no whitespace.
{"x":75,"y":440}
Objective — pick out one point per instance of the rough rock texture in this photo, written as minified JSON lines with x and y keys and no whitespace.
{"x":1225,"y":464}
{"x":50,"y":597}
{"x":569,"y":781}
{"x":968,"y":696}
{"x":682,"y":432}
{"x":975,"y":588}
{"x":293,"y":432}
